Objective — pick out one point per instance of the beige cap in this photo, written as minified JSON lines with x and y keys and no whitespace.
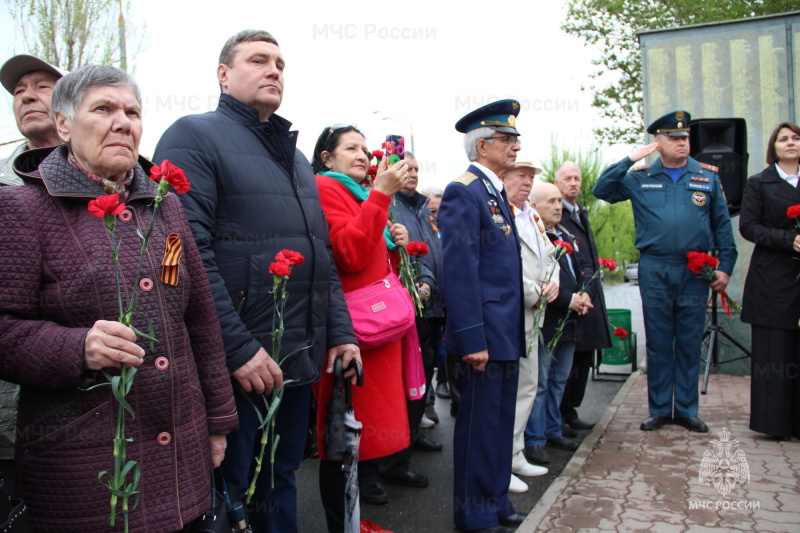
{"x":16,"y":67}
{"x":536,"y":166}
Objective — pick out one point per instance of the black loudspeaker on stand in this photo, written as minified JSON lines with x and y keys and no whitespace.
{"x":712,"y":332}
{"x":722,"y":142}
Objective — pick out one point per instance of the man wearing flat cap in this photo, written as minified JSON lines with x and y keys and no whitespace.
{"x":482,"y":283}
{"x":30,"y":81}
{"x":678,"y":207}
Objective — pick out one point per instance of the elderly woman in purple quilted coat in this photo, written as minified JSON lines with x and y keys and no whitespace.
{"x":58,"y":329}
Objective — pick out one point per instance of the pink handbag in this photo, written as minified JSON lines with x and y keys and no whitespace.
{"x":413,"y":370}
{"x":382,"y":312}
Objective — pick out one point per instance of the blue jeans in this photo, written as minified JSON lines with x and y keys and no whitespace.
{"x":545,"y":420}
{"x":272,"y":510}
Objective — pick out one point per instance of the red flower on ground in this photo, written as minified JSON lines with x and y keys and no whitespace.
{"x":290,"y":256}
{"x":610,"y":264}
{"x":697,"y":260}
{"x":168,"y":172}
{"x":564,"y":245}
{"x":417,"y":248}
{"x":793,"y":211}
{"x":620,"y":332}
{"x":106,"y":205}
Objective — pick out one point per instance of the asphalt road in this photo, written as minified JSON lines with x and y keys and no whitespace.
{"x":430,"y":510}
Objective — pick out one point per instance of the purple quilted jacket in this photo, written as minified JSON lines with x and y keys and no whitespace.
{"x":56,"y":280}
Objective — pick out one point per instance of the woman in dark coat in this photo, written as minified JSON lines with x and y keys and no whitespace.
{"x":59,"y":328}
{"x":771,"y":301}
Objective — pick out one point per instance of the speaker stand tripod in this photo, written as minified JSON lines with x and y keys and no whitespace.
{"x":712,"y":331}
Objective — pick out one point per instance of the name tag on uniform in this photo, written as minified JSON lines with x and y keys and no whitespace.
{"x":698,"y":186}
{"x":651,"y":186}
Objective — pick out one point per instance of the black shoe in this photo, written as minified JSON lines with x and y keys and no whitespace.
{"x":427,"y":445}
{"x":443,"y":391}
{"x":653,"y":422}
{"x":407,"y":479}
{"x":536,"y":455}
{"x":568,"y":432}
{"x":692,"y":423}
{"x":577,"y":423}
{"x":562,"y":444}
{"x":514,"y":520}
{"x":373,"y":495}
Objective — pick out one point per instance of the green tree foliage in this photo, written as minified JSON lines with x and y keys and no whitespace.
{"x":612,"y":223}
{"x":72,"y":33}
{"x":612,"y":25}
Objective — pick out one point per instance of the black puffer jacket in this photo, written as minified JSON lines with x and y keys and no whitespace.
{"x":253,"y":194}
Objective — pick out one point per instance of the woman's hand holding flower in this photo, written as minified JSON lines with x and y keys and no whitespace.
{"x":390,"y":180}
{"x":399,"y":234}
{"x":109,"y":344}
{"x":217,"y":445}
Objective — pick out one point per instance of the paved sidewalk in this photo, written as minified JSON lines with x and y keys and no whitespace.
{"x":623,"y":479}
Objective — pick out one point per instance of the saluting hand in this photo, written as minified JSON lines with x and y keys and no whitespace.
{"x":644,"y":151}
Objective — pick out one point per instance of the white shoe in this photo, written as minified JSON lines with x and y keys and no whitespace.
{"x":530,"y":470}
{"x":516,"y":485}
{"x":426,"y":423}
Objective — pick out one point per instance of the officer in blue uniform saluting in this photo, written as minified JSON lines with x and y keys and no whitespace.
{"x":678,"y":207}
{"x":482,"y":285}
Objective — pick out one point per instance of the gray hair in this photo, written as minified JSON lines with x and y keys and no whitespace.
{"x":567,"y":164}
{"x":471,"y":141}
{"x":245,"y":36}
{"x":71,"y":89}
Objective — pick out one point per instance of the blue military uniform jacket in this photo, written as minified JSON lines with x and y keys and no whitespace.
{"x":482,"y":279}
{"x":673,"y":218}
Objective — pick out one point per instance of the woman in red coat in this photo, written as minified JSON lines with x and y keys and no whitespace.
{"x":363,"y":242}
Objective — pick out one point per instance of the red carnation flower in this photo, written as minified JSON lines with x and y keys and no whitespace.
{"x":377,"y":153}
{"x":417,"y":248}
{"x":620,"y":332}
{"x":106,"y":205}
{"x":610,"y":264}
{"x":168,"y":172}
{"x":280,"y":268}
{"x":372,"y":171}
{"x":291,"y":257}
{"x":793,"y":211}
{"x":697,"y":260}
{"x":564,"y":245}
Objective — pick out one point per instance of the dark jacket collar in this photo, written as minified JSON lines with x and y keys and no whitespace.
{"x":50,"y":167}
{"x":771,"y":174}
{"x":246,"y":114}
{"x":414,"y":200}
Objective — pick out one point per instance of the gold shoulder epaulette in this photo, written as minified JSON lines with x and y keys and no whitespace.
{"x":712,"y":168}
{"x":466,"y":178}
{"x":640,"y":167}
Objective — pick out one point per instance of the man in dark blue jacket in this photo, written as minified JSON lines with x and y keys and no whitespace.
{"x":409,"y":209}
{"x":253,"y":194}
{"x":482,"y":284}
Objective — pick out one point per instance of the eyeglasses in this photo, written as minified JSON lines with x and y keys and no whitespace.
{"x":508,"y":139}
{"x":336,"y":127}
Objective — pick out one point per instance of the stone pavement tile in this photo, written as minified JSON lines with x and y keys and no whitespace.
{"x":698,"y":528}
{"x":639,"y":490}
{"x":586,"y":512}
{"x":617,"y":475}
{"x":767,"y":526}
{"x":779,"y":517}
{"x":595,"y":488}
{"x":738,"y":520}
{"x":635,"y":526}
{"x":788,"y":502}
{"x":702,"y":517}
{"x":664,"y":527}
{"x":768,"y":500}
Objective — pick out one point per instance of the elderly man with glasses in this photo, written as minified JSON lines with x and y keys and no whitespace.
{"x":482,"y":283}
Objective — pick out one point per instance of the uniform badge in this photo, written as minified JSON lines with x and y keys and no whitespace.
{"x":698,"y":178}
{"x":507,"y":230}
{"x":489,"y":188}
{"x":699,"y":198}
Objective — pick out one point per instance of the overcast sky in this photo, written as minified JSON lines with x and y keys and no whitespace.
{"x":420,"y":64}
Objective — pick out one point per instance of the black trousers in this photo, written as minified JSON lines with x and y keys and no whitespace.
{"x":775,"y":382}
{"x":576,"y":385}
